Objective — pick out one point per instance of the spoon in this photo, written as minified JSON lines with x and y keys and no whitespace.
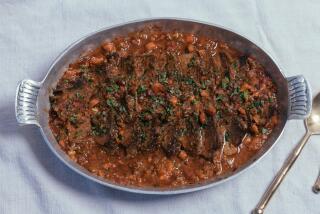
{"x":312,"y":124}
{"x":316,"y":186}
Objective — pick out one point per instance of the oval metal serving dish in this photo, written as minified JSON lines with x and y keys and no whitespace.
{"x":32,"y":98}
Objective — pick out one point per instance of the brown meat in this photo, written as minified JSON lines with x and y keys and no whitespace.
{"x":163,"y":109}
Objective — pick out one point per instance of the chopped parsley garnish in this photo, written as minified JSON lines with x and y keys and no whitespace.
{"x":270,"y":99}
{"x":169,"y":109}
{"x":112,"y":103}
{"x":219,"y":114}
{"x":98,"y":131}
{"x":194,"y":101}
{"x":73,"y":119}
{"x":145,"y":117}
{"x":113,"y":88}
{"x":122,"y":109}
{"x":172,"y":90}
{"x":141,"y":89}
{"x":227,"y":136}
{"x":225,"y":82}
{"x":235,"y":65}
{"x":203,"y":85}
{"x":109,"y":89}
{"x":244,"y":95}
{"x":192,"y":62}
{"x":176,"y":74}
{"x":258,"y":103}
{"x":79,"y":95}
{"x":195,"y":117}
{"x":163,"y":77}
{"x":142,"y":136}
{"x":190,"y":81}
{"x":84,"y":69}
{"x":235,"y":91}
{"x":219,"y":97}
{"x":157,"y":100}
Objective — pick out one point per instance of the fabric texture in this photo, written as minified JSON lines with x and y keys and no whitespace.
{"x":34,"y":32}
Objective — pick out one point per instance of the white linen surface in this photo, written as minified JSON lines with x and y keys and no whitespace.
{"x":34,"y":32}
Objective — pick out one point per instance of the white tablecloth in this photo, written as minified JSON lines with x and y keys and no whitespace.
{"x":33,"y":32}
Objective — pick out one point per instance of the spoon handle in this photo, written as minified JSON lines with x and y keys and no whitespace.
{"x":281,"y":174}
{"x":316,"y":186}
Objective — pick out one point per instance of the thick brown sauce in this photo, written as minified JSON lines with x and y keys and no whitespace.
{"x":163,"y":109}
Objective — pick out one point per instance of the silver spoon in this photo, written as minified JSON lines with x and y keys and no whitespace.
{"x":312,"y":124}
{"x":316,"y":186}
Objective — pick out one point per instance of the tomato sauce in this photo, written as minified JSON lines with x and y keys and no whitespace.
{"x":163,"y":109}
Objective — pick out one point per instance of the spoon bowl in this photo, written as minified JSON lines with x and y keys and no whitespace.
{"x":313,"y":121}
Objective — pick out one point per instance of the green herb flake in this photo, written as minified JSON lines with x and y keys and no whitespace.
{"x":270,"y":99}
{"x":244,"y":95}
{"x":196,"y":117}
{"x":98,"y":131}
{"x":122,"y":109}
{"x":141,"y":89}
{"x":225,"y":82}
{"x":163,"y":77}
{"x":84,"y":69}
{"x":142,"y":136}
{"x":192,"y":62}
{"x":73,"y":119}
{"x":218,"y":115}
{"x":157,"y":100}
{"x":203,"y":86}
{"x":146,"y":116}
{"x":113,"y":88}
{"x":227,"y":136}
{"x":258,"y":103}
{"x":109,"y":89}
{"x":88,"y":78}
{"x":194,"y":101}
{"x":235,"y":91}
{"x":190,"y":81}
{"x":219,"y":97}
{"x":174,"y":91}
{"x":235,"y":65}
{"x":79,"y":95}
{"x":112,"y":103}
{"x":169,"y":109}
{"x":171,"y":91}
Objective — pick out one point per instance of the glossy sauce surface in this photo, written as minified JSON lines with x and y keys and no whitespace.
{"x":163,"y":109}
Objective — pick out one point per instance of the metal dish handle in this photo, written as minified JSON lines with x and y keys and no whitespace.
{"x":26,"y":102}
{"x":300,"y":98}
